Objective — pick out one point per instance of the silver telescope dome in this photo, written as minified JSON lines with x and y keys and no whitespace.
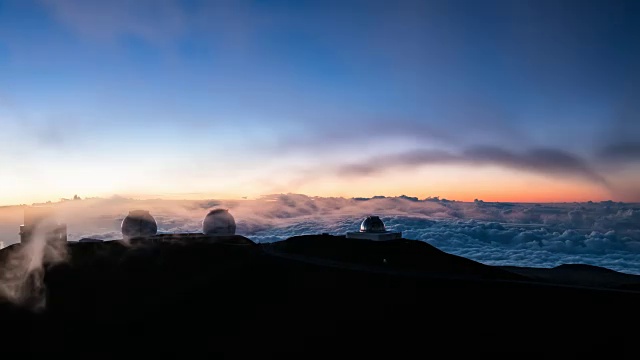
{"x":138,"y":223}
{"x":372,"y":224}
{"x":219,"y":222}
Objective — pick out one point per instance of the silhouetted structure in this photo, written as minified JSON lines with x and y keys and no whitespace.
{"x":40,"y":221}
{"x":89,"y":240}
{"x":219,"y":222}
{"x":372,"y":228}
{"x":139,"y":223}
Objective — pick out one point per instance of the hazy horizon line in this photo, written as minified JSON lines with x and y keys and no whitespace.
{"x":184,"y":197}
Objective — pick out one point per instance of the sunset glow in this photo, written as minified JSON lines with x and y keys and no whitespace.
{"x":205,"y":99}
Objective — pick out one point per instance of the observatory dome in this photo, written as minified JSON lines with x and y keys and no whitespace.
{"x":372,"y":224}
{"x":219,"y":222}
{"x":139,"y":223}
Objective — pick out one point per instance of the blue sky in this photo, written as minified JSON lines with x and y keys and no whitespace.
{"x":506,"y":100}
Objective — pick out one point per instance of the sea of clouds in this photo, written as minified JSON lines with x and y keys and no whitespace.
{"x":604,"y":234}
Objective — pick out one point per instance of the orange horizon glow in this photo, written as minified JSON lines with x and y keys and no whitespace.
{"x":505,"y":198}
{"x":560,"y":193}
{"x":489,"y":184}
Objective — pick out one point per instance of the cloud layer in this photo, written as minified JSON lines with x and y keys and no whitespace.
{"x":539,"y":235}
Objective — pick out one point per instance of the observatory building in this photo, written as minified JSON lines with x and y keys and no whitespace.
{"x":372,"y":228}
{"x":139,"y":223}
{"x":41,"y":221}
{"x":219,"y":222}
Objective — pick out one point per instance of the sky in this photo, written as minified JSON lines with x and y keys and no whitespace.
{"x":529,"y":101}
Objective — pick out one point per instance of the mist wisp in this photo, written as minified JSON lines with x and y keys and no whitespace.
{"x":23,"y":269}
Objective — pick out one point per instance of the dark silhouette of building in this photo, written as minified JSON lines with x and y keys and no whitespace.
{"x":219,"y":222}
{"x":139,"y":223}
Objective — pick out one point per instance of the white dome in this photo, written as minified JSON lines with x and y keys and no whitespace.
{"x":372,"y":224}
{"x":139,"y":223}
{"x":219,"y":222}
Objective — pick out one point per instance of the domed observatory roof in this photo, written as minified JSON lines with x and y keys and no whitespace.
{"x":139,"y":223}
{"x":372,"y":228}
{"x":372,"y":224}
{"x":219,"y":222}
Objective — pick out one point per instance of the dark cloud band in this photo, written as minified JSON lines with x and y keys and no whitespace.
{"x":544,"y":161}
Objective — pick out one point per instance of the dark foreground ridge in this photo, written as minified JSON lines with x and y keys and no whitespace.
{"x":184,"y":294}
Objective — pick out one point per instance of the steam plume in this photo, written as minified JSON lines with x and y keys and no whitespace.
{"x":22,"y":274}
